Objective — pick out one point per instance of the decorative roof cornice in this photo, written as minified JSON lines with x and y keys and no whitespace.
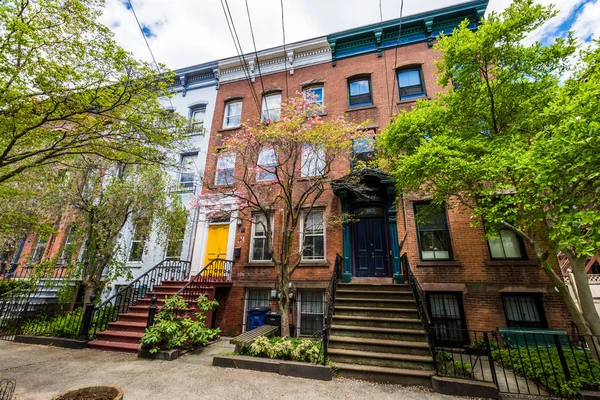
{"x":415,"y":28}
{"x":196,"y":76}
{"x":276,"y":59}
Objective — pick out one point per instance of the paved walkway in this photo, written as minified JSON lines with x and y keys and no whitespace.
{"x":42,"y":372}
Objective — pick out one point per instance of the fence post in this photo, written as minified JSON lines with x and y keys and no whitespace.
{"x":488,"y":349}
{"x":151,"y":312}
{"x":86,"y":320}
{"x":561,"y":357}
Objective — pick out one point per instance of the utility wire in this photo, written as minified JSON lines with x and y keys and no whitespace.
{"x":147,"y":44}
{"x":387,"y":83}
{"x":239,"y":51}
{"x":287,"y":90}
{"x":262,"y":85}
{"x":396,"y":57}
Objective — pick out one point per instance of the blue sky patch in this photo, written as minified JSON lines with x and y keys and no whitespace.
{"x":126,"y":4}
{"x":564,"y":27}
{"x":147,"y":31}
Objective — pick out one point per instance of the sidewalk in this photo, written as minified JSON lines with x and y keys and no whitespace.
{"x":42,"y":372}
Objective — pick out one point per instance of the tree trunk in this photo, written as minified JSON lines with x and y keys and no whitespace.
{"x":90,"y":290}
{"x":586,"y":299}
{"x":284,"y":300}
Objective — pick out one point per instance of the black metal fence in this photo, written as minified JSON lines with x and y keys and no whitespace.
{"x":7,"y":389}
{"x":523,"y":362}
{"x":327,"y":319}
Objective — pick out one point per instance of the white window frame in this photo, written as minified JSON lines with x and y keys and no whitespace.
{"x":252,"y":237}
{"x":226,"y":117}
{"x":133,"y":240}
{"x":197,"y":127}
{"x":41,"y":242}
{"x":266,"y":112}
{"x":304,"y":215}
{"x":320,"y":103}
{"x":246,"y":298}
{"x":183,"y":171}
{"x":221,"y":156}
{"x":262,"y":167}
{"x":69,"y":239}
{"x":299,"y":310}
{"x":313,"y":161}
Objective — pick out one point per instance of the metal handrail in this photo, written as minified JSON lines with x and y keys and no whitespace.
{"x":335,"y":277}
{"x":119,"y":303}
{"x":217,"y":270}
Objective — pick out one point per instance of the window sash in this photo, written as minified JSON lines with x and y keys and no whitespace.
{"x":136,"y":248}
{"x":197,"y":119}
{"x":410,"y":84}
{"x":359,"y":92}
{"x":317,"y":97}
{"x":523,"y":310}
{"x":40,"y":249}
{"x":186,"y":174}
{"x":313,"y":161}
{"x":312,"y":306}
{"x":271,"y":107}
{"x":67,"y":251}
{"x":313,"y":236}
{"x":505,"y":246}
{"x":447,"y":314}
{"x":257,"y":298}
{"x":233,"y":114}
{"x":259,"y":250}
{"x":266,"y":165}
{"x":225,"y":169}
{"x":433,"y":237}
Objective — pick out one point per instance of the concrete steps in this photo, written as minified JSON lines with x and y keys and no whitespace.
{"x":376,"y":335}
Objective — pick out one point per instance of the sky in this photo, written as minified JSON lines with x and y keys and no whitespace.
{"x":182,"y":33}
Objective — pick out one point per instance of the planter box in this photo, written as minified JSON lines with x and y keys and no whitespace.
{"x":52,"y":341}
{"x":281,"y":367}
{"x":165,"y":355}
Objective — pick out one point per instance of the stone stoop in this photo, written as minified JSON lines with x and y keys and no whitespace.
{"x":376,"y":335}
{"x":124,"y":335}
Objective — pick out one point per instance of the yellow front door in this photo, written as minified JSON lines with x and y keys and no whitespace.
{"x":216,"y":244}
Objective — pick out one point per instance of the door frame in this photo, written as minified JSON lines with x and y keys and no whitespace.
{"x":386,"y":238}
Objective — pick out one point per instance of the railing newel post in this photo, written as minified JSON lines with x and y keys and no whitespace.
{"x":151,"y":312}
{"x":488,"y":349}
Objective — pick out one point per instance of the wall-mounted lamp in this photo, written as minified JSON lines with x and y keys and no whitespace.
{"x":273,"y":293}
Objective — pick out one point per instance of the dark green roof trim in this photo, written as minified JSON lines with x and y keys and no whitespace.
{"x":415,"y":28}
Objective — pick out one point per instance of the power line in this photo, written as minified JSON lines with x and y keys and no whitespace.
{"x":262,"y":85}
{"x":238,"y":49}
{"x":387,"y":83}
{"x":396,"y":56}
{"x":287,"y":91}
{"x":147,"y":44}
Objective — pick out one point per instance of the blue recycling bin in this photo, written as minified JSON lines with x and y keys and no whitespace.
{"x":257,"y":317}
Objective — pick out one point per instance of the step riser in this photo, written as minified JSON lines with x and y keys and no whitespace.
{"x":103,"y":348}
{"x":379,"y":348}
{"x":126,"y":328}
{"x":117,"y":339}
{"x":371,"y":288}
{"x":410,"y":304}
{"x":133,"y":318}
{"x":339,"y":320}
{"x":377,"y":296}
{"x":386,"y":378}
{"x":379,"y":335}
{"x":378,"y":362}
{"x":383,"y":313}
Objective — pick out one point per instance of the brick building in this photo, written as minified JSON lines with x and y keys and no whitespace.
{"x":360,"y":73}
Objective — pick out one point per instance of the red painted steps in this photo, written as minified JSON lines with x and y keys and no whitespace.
{"x":124,"y":335}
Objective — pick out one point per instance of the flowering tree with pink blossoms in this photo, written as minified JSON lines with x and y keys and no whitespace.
{"x":283,"y":167}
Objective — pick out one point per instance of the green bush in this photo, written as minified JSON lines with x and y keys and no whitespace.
{"x":543,"y":365}
{"x":17,"y":286}
{"x":448,"y":366}
{"x":173,"y":332}
{"x":303,"y":350}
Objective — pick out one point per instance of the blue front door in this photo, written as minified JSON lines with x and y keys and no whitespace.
{"x":370,"y":248}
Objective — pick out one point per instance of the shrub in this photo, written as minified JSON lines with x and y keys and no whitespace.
{"x":448,"y":366}
{"x":170,"y":331}
{"x":303,"y":350}
{"x":543,"y":364}
{"x":16,"y":286}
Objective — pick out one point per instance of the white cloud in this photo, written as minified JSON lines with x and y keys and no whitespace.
{"x":191,"y":32}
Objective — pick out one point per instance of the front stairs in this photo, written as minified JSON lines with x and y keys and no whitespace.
{"x":124,"y":335}
{"x":376,"y":335}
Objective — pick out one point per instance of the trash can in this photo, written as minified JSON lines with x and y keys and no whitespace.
{"x":256,"y":317}
{"x":273,"y":318}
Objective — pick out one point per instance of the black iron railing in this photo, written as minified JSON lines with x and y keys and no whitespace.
{"x":130,"y":295}
{"x":327,"y":318}
{"x":216,"y":271}
{"x":7,"y":389}
{"x":521,"y":362}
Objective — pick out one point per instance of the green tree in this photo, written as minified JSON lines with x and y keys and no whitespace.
{"x":508,"y":141}
{"x":67,"y":88}
{"x":104,"y":196}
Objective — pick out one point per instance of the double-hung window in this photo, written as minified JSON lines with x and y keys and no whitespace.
{"x":271,"y":107}
{"x":136,"y":249}
{"x":187,"y":173}
{"x":259,"y":250}
{"x":506,"y":245}
{"x":359,"y":92}
{"x":266,"y":165}
{"x":524,"y":310}
{"x":313,"y":236}
{"x":67,"y":252}
{"x":40,"y":248}
{"x":311,"y":305}
{"x":313,"y":160}
{"x":410,"y":84}
{"x":233,"y":114}
{"x":432,"y":232}
{"x":175,"y":243}
{"x":315,"y":96}
{"x":197,"y":115}
{"x":225,"y":169}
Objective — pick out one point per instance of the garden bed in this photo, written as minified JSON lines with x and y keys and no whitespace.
{"x":52,"y":341}
{"x":281,"y":367}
